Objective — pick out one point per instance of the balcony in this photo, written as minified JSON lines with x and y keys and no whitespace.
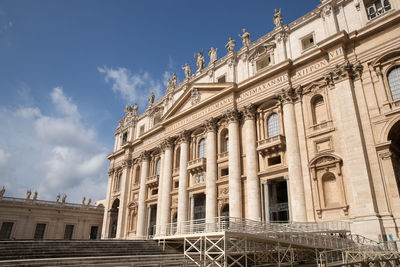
{"x":271,"y":145}
{"x":152,"y":181}
{"x":196,"y":165}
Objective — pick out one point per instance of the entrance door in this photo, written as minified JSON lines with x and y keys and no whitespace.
{"x":113,"y":219}
{"x":278,"y":201}
{"x":153,"y":220}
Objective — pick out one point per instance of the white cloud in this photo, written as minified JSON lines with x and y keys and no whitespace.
{"x":51,"y":154}
{"x":133,"y":87}
{"x":3,"y":158}
{"x":63,"y":104}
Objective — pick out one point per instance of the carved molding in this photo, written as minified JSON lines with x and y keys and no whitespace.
{"x":126,"y":163}
{"x":386,"y":155}
{"x":111,"y":171}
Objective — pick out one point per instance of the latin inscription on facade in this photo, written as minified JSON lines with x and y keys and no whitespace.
{"x":201,"y":113}
{"x":261,"y":88}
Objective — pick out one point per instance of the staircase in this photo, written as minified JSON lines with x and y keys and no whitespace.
{"x":88,"y":253}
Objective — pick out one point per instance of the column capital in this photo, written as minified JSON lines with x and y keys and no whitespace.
{"x":111,"y":171}
{"x":232,"y":115}
{"x":144,"y":155}
{"x":386,"y":155}
{"x":126,"y":163}
{"x":167,"y":143}
{"x":184,"y":136}
{"x":210,"y":125}
{"x":249,"y":112}
{"x":343,"y":71}
{"x":289,"y":95}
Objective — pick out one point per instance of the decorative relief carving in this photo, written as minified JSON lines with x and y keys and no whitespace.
{"x":198,"y":178}
{"x":232,"y":115}
{"x":386,"y":155}
{"x":195,"y":96}
{"x":261,"y":51}
{"x":326,"y":11}
{"x":280,"y":36}
{"x":111,"y":171}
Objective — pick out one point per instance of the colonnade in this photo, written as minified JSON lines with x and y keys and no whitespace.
{"x":296,"y":188}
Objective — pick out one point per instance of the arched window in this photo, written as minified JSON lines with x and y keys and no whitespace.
{"x":330,"y":189}
{"x":158,"y":166}
{"x":273,"y":125}
{"x":318,"y":109}
{"x":224,"y":140}
{"x":394,"y":82}
{"x":202,"y":148}
{"x":137,"y":175}
{"x":177,"y":157}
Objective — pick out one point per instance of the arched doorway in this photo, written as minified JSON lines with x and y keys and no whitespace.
{"x":394,"y":137}
{"x":225,"y":211}
{"x":113,"y":219}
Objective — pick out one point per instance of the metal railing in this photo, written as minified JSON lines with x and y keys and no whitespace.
{"x":328,"y":235}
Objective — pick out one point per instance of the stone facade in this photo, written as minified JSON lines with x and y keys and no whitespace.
{"x":302,"y":124}
{"x":31,"y":218}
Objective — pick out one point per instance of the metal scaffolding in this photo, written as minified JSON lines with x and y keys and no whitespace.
{"x":227,"y":241}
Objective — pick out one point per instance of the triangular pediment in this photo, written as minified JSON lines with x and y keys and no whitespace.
{"x":194,"y":95}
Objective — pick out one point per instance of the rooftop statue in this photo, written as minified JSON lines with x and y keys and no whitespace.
{"x":64,"y":198}
{"x":135,"y":110}
{"x":245,"y":38}
{"x":35,"y":195}
{"x":58,"y":197}
{"x":2,"y":191}
{"x":188,"y":71}
{"x":230,"y":45}
{"x":83,"y":201}
{"x":199,"y":60}
{"x":174,"y":80}
{"x":278,"y":18}
{"x":28,"y":194}
{"x":212,"y":53}
{"x":151,"y":99}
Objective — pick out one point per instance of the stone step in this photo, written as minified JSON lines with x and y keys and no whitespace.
{"x":143,"y":260}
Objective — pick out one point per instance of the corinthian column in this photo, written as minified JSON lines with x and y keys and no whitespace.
{"x":122,"y":218}
{"x":166,"y":185}
{"x":183,"y":181}
{"x":141,"y":219}
{"x":296,"y":187}
{"x":211,"y":170}
{"x":235,"y":191}
{"x":253,"y":187}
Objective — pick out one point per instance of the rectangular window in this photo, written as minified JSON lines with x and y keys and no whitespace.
{"x":308,"y":41}
{"x":176,"y":184}
{"x":141,"y":130}
{"x":39,"y":231}
{"x":221,"y":79}
{"x":376,"y":7}
{"x":69,"y":230}
{"x":6,"y":229}
{"x":154,"y":192}
{"x":124,"y":137}
{"x":93,"y":232}
{"x":224,"y":172}
{"x":263,"y":62}
{"x":274,"y":160}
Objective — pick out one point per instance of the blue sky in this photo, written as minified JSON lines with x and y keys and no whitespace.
{"x":69,"y":67}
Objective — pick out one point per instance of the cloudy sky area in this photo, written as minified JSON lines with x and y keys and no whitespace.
{"x":69,"y":67}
